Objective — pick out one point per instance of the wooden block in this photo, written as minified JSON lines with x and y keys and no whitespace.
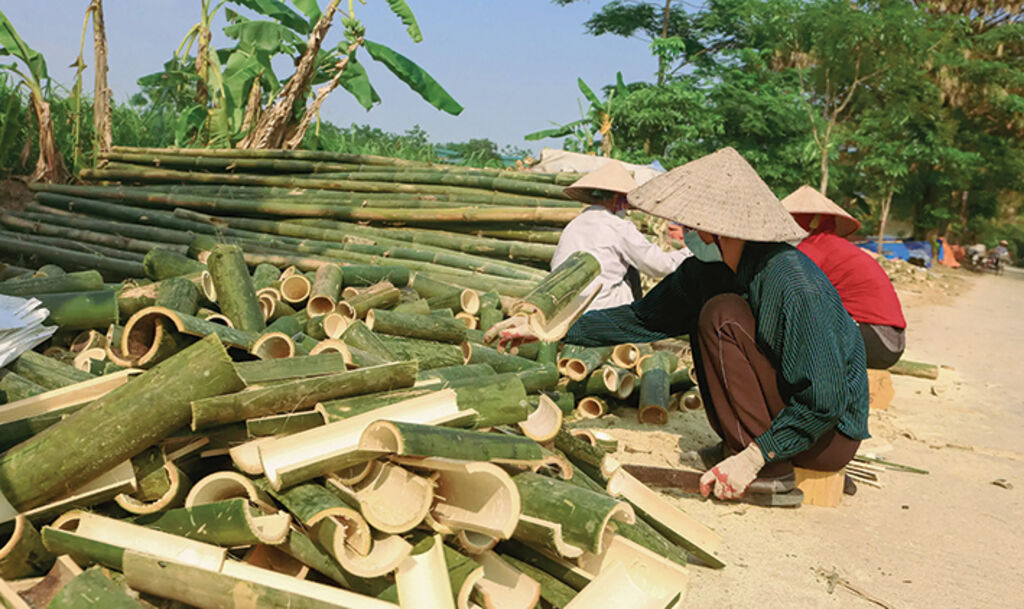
{"x":880,"y":389}
{"x":824,"y":489}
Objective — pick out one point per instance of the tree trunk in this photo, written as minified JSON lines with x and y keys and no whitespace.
{"x":50,"y":164}
{"x":823,"y":188}
{"x":665,"y":16}
{"x":884,"y":217}
{"x":272,"y":127}
{"x":101,"y":99}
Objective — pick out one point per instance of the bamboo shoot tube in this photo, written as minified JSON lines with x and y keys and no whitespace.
{"x":325,"y":290}
{"x":82,"y":281}
{"x":428,"y":353}
{"x":236,"y":295}
{"x":81,"y":310}
{"x":178,"y":294}
{"x":429,"y":327}
{"x":682,"y":380}
{"x":143,"y":326}
{"x":415,"y":307}
{"x":162,"y":264}
{"x":23,"y":553}
{"x":15,"y":387}
{"x":564,"y":401}
{"x":586,"y":361}
{"x":46,"y":371}
{"x":134,"y":416}
{"x":500,"y":362}
{"x":92,"y":588}
{"x":412,"y":439}
{"x":287,"y":423}
{"x":655,"y":386}
{"x":918,"y":369}
{"x":471,"y":496}
{"x":422,"y":578}
{"x":367,"y":275}
{"x":379,"y":296}
{"x":346,"y":408}
{"x":177,"y":488}
{"x":236,"y":586}
{"x":299,"y":394}
{"x":273,"y":345}
{"x":559,"y":291}
{"x":391,"y":498}
{"x":263,"y":371}
{"x":265,"y":276}
{"x":665,"y":518}
{"x":585,"y":516}
{"x":691,"y":400}
{"x":362,"y":338}
{"x":295,"y":288}
{"x":442,"y":376}
{"x":229,"y":523}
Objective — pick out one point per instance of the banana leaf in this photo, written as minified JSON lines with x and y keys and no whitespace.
{"x":402,"y":10}
{"x":279,"y":12}
{"x":414,"y":76}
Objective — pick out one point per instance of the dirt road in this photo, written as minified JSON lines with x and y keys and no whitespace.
{"x":949,"y":539}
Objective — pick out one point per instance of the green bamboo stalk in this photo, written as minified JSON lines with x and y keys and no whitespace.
{"x":581,"y":364}
{"x":48,"y":270}
{"x":362,"y":338}
{"x":454,"y":373}
{"x":267,"y":371}
{"x":429,"y":354}
{"x":81,"y":310}
{"x":141,"y":236}
{"x":562,"y":285}
{"x":681,"y":380}
{"x":19,"y":247}
{"x":582,"y":513}
{"x":540,"y":378}
{"x":337,"y":410}
{"x":83,"y":246}
{"x":918,"y":369}
{"x":92,"y":588}
{"x":481,"y":283}
{"x":23,"y":553}
{"x":552,"y":590}
{"x":161,"y":264}
{"x":411,"y":439}
{"x":178,"y":294}
{"x":224,"y":523}
{"x":326,"y":289}
{"x":500,"y":362}
{"x":655,"y":386}
{"x":132,"y":417}
{"x":265,"y":276}
{"x":235,"y":293}
{"x":427,"y":327}
{"x":299,"y":394}
{"x":359,"y":275}
{"x":415,"y":307}
{"x":283,"y":424}
{"x":83,"y":281}
{"x":380,"y":296}
{"x":565,"y":401}
{"x":489,"y":317}
{"x":15,"y":387}
{"x":46,"y":371}
{"x":73,"y":227}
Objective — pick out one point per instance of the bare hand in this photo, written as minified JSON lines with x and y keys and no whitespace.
{"x":510,"y":333}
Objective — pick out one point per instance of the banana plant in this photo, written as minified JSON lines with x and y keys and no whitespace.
{"x":240,"y":100}
{"x":33,"y":74}
{"x":598,"y":115}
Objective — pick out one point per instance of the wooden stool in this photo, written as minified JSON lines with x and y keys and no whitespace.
{"x":880,"y":389}
{"x":824,"y":489}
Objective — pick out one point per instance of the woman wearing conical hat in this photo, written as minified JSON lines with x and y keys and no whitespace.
{"x":615,"y":241}
{"x":780,"y":363}
{"x":863,"y":286}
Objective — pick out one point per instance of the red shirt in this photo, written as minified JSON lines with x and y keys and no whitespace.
{"x":863,"y":286}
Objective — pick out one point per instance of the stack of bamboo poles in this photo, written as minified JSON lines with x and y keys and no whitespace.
{"x":330,"y":435}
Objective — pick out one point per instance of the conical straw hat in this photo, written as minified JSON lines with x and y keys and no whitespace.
{"x":611,"y":176}
{"x":721,"y":194}
{"x":807,"y":200}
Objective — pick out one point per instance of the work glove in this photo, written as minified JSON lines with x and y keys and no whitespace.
{"x":510,"y":333}
{"x":731,"y":478}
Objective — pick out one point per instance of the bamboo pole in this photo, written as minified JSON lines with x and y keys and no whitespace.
{"x":325,"y":290}
{"x":134,"y":416}
{"x":178,"y":294}
{"x":655,"y":386}
{"x":500,"y":362}
{"x":429,"y":354}
{"x":161,"y":264}
{"x":380,"y":296}
{"x":427,"y":327}
{"x":83,"y":281}
{"x":236,"y":295}
{"x":299,"y":394}
{"x":81,"y":310}
{"x":15,"y":387}
{"x":265,"y":371}
{"x":47,"y":372}
{"x":362,"y":338}
{"x":11,"y":245}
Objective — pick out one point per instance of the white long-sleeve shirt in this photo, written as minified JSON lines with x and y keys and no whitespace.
{"x":617,"y":245}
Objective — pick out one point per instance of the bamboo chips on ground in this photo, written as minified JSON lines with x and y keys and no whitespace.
{"x":385,"y":438}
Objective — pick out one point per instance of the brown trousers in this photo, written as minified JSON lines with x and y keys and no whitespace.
{"x":739,"y":387}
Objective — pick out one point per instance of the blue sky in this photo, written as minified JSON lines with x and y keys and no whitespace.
{"x":512,"y":64}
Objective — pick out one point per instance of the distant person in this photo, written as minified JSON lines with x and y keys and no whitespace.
{"x":863,"y":285}
{"x":615,"y":241}
{"x":1001,"y":255}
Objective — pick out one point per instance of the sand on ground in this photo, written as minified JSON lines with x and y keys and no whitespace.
{"x":948,"y":539}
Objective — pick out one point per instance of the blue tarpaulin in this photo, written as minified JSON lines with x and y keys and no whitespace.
{"x":902,"y":250}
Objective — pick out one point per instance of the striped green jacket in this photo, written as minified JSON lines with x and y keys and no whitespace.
{"x":802,"y":328}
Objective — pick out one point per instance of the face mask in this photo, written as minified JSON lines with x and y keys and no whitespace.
{"x":705,"y":252}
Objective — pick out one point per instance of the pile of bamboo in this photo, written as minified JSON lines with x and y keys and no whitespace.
{"x":261,"y":429}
